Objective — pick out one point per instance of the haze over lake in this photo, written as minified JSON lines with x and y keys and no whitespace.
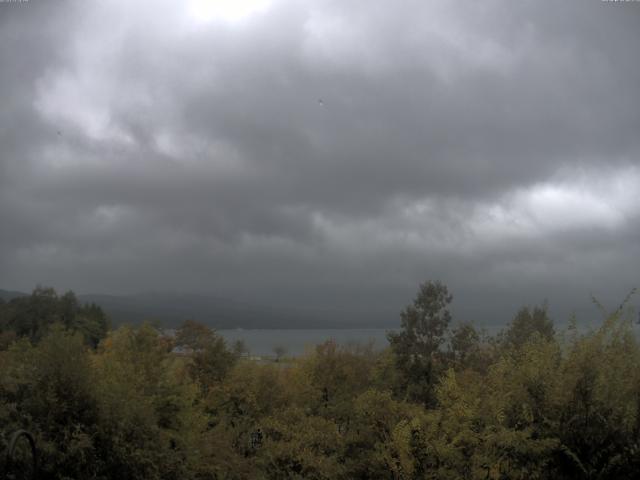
{"x":296,"y":342}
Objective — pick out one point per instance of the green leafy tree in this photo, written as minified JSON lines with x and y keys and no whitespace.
{"x":336,"y":374}
{"x":150,"y":423}
{"x":417,"y":346}
{"x":279,"y":351}
{"x":194,"y":335}
{"x":32,"y":316}
{"x":301,"y":446}
{"x":529,"y":322}
{"x":91,"y":321}
{"x":210,"y":359}
{"x":49,"y":389}
{"x":464,"y":346}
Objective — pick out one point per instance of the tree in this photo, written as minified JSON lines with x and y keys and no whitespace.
{"x":32,"y":316}
{"x":193,"y":335}
{"x":48,"y":389}
{"x":92,"y":322}
{"x":528,"y":322}
{"x":211,"y":360}
{"x":240,"y":348}
{"x":150,"y":422}
{"x":280,"y":351}
{"x":464,"y":345}
{"x":417,"y":345}
{"x":336,"y":374}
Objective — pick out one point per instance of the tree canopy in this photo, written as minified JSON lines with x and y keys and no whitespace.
{"x":444,"y":401}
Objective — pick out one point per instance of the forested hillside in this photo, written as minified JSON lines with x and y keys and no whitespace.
{"x":227,"y":313}
{"x":444,"y":401}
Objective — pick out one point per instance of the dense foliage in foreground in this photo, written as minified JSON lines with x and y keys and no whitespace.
{"x":441,"y":402}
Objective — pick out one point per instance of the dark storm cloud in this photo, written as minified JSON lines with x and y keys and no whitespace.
{"x":322,"y":153}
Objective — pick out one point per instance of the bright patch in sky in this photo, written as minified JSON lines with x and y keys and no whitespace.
{"x":227,"y":10}
{"x":604,"y":202}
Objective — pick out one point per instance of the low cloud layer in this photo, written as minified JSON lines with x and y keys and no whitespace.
{"x":325,"y":154}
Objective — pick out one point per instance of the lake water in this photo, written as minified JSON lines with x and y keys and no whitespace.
{"x":297,"y":341}
{"x":262,"y":342}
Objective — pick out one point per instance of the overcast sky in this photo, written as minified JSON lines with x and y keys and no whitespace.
{"x":330,"y":154}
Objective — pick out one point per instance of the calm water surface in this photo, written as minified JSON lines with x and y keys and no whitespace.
{"x":297,"y":341}
{"x":262,"y":342}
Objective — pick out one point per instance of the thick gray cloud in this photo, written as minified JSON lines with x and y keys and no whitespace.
{"x":327,"y":154}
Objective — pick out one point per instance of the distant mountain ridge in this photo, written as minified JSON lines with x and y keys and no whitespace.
{"x":7,"y":295}
{"x":169,"y":310}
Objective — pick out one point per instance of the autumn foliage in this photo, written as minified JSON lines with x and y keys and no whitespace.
{"x":443,"y":401}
